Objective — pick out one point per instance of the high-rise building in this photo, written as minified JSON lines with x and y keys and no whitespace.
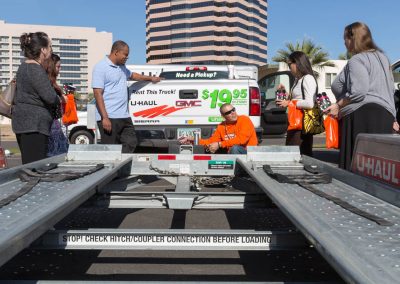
{"x":80,"y":48}
{"x":206,"y":32}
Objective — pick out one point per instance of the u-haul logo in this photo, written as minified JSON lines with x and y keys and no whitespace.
{"x":378,"y":168}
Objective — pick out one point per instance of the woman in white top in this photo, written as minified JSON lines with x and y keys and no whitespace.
{"x":301,"y":69}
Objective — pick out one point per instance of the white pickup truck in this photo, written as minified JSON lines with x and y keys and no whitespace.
{"x":189,"y":98}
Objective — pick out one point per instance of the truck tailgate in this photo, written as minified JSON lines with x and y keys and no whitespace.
{"x":186,"y":102}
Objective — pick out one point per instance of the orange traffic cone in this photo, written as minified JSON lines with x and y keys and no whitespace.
{"x":3,"y":160}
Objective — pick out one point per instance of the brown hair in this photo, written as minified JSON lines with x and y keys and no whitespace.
{"x":361,"y":36}
{"x":32,"y":43}
{"x":302,"y":62}
{"x":50,"y":67}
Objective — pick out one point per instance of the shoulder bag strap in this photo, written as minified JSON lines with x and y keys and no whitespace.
{"x":302,"y":87}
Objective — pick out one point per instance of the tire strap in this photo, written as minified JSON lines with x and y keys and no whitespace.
{"x":317,"y":177}
{"x":33,"y":176}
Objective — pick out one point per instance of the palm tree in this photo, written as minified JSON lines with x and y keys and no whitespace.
{"x":318,"y":57}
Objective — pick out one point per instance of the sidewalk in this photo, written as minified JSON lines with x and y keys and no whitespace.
{"x":6,"y":133}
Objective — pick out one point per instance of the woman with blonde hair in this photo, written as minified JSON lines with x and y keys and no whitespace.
{"x":364,"y":91}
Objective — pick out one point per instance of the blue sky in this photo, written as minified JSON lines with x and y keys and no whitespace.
{"x":288,"y":21}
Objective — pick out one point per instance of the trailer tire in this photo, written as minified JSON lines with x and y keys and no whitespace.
{"x":82,"y":137}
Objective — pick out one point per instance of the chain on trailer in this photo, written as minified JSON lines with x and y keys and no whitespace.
{"x":197,"y":180}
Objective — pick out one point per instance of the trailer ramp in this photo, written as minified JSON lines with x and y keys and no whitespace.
{"x":360,"y":249}
{"x":29,"y":216}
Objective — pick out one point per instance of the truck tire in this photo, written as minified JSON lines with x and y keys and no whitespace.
{"x":82,"y":137}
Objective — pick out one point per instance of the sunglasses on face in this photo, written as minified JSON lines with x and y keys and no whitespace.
{"x":230,"y":111}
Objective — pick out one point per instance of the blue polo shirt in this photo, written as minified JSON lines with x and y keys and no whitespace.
{"x":113,"y":80}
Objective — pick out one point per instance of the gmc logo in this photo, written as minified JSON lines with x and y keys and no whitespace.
{"x":188,"y":103}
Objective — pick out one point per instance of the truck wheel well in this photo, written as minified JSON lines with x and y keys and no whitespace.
{"x":78,"y":128}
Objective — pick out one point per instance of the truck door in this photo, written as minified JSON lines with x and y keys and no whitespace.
{"x":274,"y":118}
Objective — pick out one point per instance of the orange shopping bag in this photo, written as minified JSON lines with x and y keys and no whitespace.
{"x":331,"y":132}
{"x":70,"y":115}
{"x":295,"y":116}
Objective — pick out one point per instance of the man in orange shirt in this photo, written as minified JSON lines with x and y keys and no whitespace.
{"x":233,"y":135}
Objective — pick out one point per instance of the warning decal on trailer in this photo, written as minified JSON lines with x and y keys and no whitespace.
{"x":220,"y":165}
{"x":137,"y":240}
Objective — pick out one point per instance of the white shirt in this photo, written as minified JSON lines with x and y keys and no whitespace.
{"x":310,"y":89}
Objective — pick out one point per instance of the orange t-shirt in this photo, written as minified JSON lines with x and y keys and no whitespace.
{"x":241,"y":133}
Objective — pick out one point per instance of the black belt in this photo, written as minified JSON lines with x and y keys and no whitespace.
{"x":33,"y":176}
{"x":315,"y":176}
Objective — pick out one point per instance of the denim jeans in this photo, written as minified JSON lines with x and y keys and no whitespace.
{"x":237,"y":150}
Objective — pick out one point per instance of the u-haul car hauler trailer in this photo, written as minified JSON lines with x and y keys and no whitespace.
{"x":350,"y":219}
{"x":188,"y":98}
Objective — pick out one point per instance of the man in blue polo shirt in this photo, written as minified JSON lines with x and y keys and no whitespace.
{"x":109,"y":85}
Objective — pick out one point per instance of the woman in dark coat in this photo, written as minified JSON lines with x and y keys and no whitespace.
{"x":35,"y":98}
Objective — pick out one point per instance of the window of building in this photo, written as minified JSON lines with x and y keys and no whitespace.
{"x":70,"y":75}
{"x":69,"y":41}
{"x":71,"y":48}
{"x":70,"y":54}
{"x":329,"y":77}
{"x":73,"y":82}
{"x":71,"y":68}
{"x":73,"y":61}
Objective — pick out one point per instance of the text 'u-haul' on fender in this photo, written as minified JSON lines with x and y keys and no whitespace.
{"x":378,"y":156}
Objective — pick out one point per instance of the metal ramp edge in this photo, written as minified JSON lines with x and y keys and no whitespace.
{"x":359,"y":249}
{"x":25,"y":219}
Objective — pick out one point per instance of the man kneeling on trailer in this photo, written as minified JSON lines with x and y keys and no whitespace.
{"x":232,"y":135}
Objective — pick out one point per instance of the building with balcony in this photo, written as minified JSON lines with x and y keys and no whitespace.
{"x":206,"y":32}
{"x":80,"y":48}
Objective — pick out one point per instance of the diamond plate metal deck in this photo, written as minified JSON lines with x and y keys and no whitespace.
{"x":25,"y":219}
{"x":359,"y":249}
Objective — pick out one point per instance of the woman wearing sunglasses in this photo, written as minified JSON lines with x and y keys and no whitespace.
{"x":300,"y":67}
{"x":232,"y":135}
